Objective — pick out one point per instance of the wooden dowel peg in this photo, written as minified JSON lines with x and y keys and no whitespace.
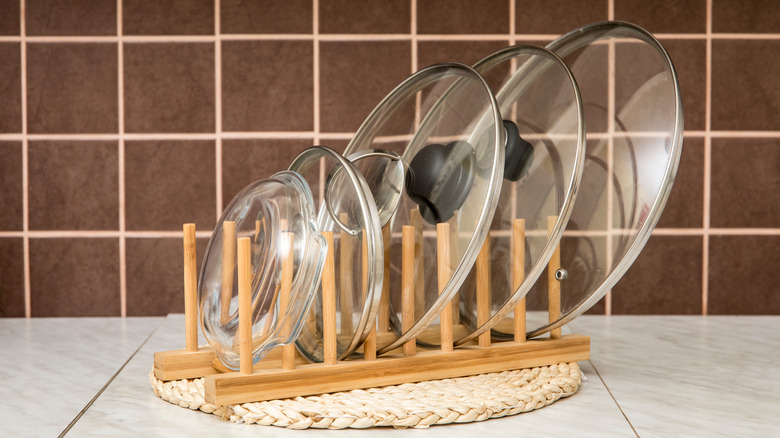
{"x":329,"y":304}
{"x":407,"y":285}
{"x":346,"y":276}
{"x":483,"y":291}
{"x":518,"y":276}
{"x":416,"y":221}
{"x":228,"y":265}
{"x":383,"y":319}
{"x":190,"y":289}
{"x":369,"y":345}
{"x":245,"y":304}
{"x":288,"y":351}
{"x":444,"y":269}
{"x":553,"y":285}
{"x":454,"y":259}
{"x":259,"y":227}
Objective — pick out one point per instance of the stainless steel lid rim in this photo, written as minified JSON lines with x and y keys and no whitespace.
{"x":386,"y":109}
{"x":569,"y":43}
{"x":570,"y":190}
{"x":373,"y":234}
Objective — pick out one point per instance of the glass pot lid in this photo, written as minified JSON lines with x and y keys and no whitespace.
{"x":634,"y":121}
{"x":347,"y":209}
{"x":444,"y":124}
{"x":287,"y":254}
{"x":542,"y":111}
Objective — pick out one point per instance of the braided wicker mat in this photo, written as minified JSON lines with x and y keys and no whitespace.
{"x":418,"y":405}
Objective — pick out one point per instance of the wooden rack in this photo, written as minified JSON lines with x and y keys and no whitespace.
{"x":283,"y":374}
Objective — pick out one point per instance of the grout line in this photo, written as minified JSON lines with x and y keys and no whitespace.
{"x":705,"y":274}
{"x":315,"y":33}
{"x":610,"y":150}
{"x":316,"y":70}
{"x":359,"y":37}
{"x":25,"y":166}
{"x":95,"y":234}
{"x":512,"y":23}
{"x":121,"y":159}
{"x":110,"y":380}
{"x":414,"y":59}
{"x":218,"y":107}
{"x":100,"y":234}
{"x":590,"y":361}
{"x":415,"y":41}
{"x":295,"y":135}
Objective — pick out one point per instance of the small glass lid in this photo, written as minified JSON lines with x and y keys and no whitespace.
{"x":444,"y":124}
{"x":347,"y":209}
{"x":287,"y":254}
{"x":634,"y":121}
{"x":542,"y":111}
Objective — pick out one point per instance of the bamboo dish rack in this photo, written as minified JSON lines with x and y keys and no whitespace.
{"x":285,"y":374}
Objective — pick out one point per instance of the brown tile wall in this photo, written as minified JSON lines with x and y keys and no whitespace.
{"x":122,"y":119}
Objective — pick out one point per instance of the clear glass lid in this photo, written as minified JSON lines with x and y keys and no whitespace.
{"x":444,"y":124}
{"x":347,"y":210}
{"x":277,"y":216}
{"x":545,"y":148}
{"x":634,"y":117}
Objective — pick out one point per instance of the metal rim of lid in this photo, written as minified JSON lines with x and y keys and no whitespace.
{"x":578,"y":39}
{"x":373,"y":237}
{"x":410,"y":86}
{"x":489,"y":61}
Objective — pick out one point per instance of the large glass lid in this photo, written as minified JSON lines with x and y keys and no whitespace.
{"x":542,"y":111}
{"x":634,"y":120}
{"x":277,"y":216}
{"x":444,"y":124}
{"x":347,"y":210}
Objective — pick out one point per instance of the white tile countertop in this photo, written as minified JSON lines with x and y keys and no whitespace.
{"x":648,"y":376}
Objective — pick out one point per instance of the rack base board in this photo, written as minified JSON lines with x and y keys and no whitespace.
{"x":181,"y":364}
{"x":311,"y":379}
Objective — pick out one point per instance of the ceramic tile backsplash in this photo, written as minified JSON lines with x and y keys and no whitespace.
{"x":742,"y":279}
{"x":74,"y":277}
{"x":247,"y":161}
{"x":675,"y":16}
{"x":11,"y":277}
{"x":70,"y":17}
{"x":543,"y":17}
{"x":10,"y":88}
{"x":168,"y":183}
{"x":365,"y":16}
{"x":121,"y":120}
{"x":267,"y":86}
{"x":463,"y":17}
{"x":690,"y":62}
{"x":745,"y":183}
{"x":466,"y":52}
{"x":154,"y":275}
{"x":73,"y":185}
{"x":169,"y":87}
{"x":11,"y":213}
{"x":355,"y":76}
{"x":745,"y":16}
{"x":685,"y":207}
{"x":9,"y":19}
{"x":676,"y":290}
{"x":72,"y":88}
{"x":745,"y":90}
{"x":266,"y":17}
{"x":169,"y":17}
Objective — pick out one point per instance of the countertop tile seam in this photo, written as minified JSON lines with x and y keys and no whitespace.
{"x":613,"y":397}
{"x":109,"y":381}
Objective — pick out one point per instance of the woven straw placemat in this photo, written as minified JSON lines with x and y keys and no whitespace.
{"x":419,"y":405}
